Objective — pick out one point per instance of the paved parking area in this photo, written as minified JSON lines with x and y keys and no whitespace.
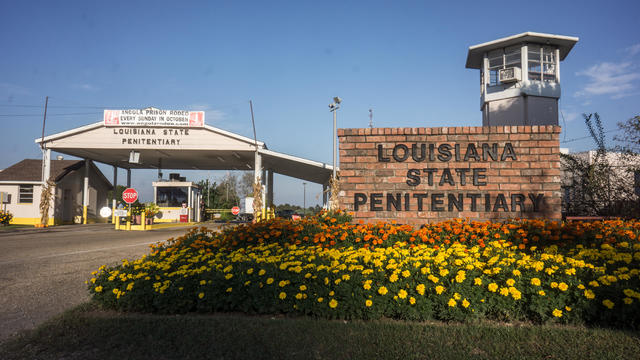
{"x":42,"y":271}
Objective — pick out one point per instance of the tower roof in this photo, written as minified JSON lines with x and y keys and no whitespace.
{"x":476,"y":52}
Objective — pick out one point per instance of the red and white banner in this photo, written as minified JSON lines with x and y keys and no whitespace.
{"x":154,"y":117}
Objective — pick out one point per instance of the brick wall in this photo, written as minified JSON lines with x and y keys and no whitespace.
{"x":418,"y":175}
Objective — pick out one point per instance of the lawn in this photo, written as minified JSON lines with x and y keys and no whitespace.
{"x":89,"y":333}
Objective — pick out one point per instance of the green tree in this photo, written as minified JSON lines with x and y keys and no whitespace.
{"x":596,"y":183}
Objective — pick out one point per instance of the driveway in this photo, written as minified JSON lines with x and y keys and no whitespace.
{"x":42,"y":271}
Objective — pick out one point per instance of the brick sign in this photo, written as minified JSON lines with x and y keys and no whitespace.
{"x":415,"y":175}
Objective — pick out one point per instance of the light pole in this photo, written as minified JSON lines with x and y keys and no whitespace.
{"x":333,"y":107}
{"x":304,"y":197}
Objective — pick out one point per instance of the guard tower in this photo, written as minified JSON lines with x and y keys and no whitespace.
{"x":520,"y":78}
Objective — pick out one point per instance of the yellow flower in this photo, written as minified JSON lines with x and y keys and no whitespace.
{"x":465,"y":303}
{"x":542,"y":293}
{"x":368,"y":303}
{"x":608,"y":303}
{"x":557,"y":313}
{"x":320,"y":299}
{"x":460,"y":276}
{"x":406,"y":273}
{"x":593,"y":283}
{"x":477,"y":281}
{"x":504,"y":291}
{"x":282,"y":283}
{"x":229,"y":290}
{"x":270,"y":281}
{"x":367,"y":285}
{"x":516,"y":272}
{"x":261,"y":272}
{"x":554,"y":284}
{"x":457,"y":296}
{"x":201,"y":295}
{"x":303,"y":287}
{"x":412,"y":300}
{"x":382,"y":290}
{"x":333,"y":303}
{"x":493,"y":287}
{"x":282,"y":295}
{"x":331,"y":293}
{"x":299,"y":296}
{"x":203,"y":282}
{"x":535,"y":281}
{"x":250,"y":271}
{"x":589,"y":294}
{"x":563,"y":287}
{"x":444,"y":272}
{"x":511,"y":282}
{"x":439,"y":289}
{"x":393,"y":277}
{"x":568,"y":308}
{"x":402,"y":294}
{"x":420,"y":289}
{"x":452,"y":303}
{"x":627,"y":300}
{"x":98,"y":288}
{"x":346,"y":277}
{"x":228,"y":276}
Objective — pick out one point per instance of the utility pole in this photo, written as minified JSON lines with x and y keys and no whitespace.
{"x":370,"y":118}
{"x":304,"y":197}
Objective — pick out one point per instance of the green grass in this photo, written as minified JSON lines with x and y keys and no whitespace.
{"x":13,"y":227}
{"x":88,"y":333}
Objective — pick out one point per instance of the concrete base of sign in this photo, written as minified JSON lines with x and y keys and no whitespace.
{"x":153,"y":227}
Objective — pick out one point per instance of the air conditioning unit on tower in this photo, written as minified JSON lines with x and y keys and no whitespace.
{"x":509,"y":75}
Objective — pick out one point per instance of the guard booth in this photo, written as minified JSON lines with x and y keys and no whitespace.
{"x":178,"y":200}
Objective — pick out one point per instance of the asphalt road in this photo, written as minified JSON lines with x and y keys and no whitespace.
{"x":43,"y":271}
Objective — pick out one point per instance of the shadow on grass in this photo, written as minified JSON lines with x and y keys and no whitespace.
{"x":86,"y":332}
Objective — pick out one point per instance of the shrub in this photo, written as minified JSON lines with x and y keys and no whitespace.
{"x":328,"y":267}
{"x":5,"y":217}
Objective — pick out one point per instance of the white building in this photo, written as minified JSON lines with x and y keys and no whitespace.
{"x":22,"y":182}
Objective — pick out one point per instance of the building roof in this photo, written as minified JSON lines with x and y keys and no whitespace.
{"x":476,"y":52}
{"x":31,"y":170}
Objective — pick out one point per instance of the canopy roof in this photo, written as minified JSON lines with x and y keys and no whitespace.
{"x":195,"y":148}
{"x":476,"y":52}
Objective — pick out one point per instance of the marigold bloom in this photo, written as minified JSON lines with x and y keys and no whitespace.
{"x":477,"y":281}
{"x":402,"y":294}
{"x":608,"y":303}
{"x":452,"y":303}
{"x":98,"y":289}
{"x":382,"y":290}
{"x":557,"y":313}
{"x":465,"y":303}
{"x":270,"y":281}
{"x":563,"y":287}
{"x":320,"y":299}
{"x":439,"y":289}
{"x":201,"y":295}
{"x":333,"y":303}
{"x":412,"y":300}
{"x":368,"y":303}
{"x":510,"y":282}
{"x":542,"y":293}
{"x":283,"y":295}
{"x":535,"y":282}
{"x":493,"y":287}
{"x":420,"y":289}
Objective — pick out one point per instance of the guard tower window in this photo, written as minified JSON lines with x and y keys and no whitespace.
{"x":542,"y":63}
{"x":502,"y":59}
{"x":172,"y":196}
{"x":25,"y":194}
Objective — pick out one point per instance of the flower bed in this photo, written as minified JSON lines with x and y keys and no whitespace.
{"x":5,"y":217}
{"x":325,"y":266}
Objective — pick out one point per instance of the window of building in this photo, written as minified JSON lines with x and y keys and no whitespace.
{"x":25,"y":194}
{"x":169,"y":196}
{"x":502,"y":59}
{"x":542,"y":63}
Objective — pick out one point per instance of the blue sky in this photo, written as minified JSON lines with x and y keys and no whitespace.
{"x":403,"y":59}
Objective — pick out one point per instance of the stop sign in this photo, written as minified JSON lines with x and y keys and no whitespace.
{"x":235,"y":210}
{"x":130,"y":195}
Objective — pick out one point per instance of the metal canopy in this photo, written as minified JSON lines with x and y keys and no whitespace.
{"x":206,"y":148}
